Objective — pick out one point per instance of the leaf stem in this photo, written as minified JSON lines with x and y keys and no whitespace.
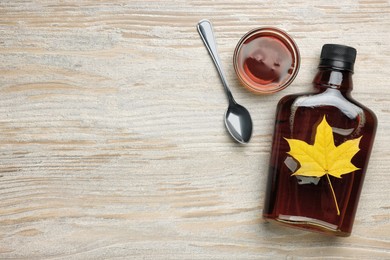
{"x":334,"y":195}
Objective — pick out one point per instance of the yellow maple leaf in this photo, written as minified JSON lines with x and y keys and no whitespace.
{"x":323,"y":157}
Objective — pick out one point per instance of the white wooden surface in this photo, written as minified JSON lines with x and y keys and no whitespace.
{"x":112,"y":143}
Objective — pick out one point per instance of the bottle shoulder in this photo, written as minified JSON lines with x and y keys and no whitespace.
{"x":367,"y":111}
{"x":347,"y":116}
{"x":331,"y":98}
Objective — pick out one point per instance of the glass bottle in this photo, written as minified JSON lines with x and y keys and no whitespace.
{"x":323,"y":202}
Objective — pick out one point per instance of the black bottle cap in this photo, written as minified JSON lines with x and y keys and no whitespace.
{"x":338,"y":57}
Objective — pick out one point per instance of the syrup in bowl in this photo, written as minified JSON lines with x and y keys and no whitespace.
{"x":266,"y":60}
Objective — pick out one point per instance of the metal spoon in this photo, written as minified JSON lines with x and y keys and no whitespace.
{"x":237,"y":118}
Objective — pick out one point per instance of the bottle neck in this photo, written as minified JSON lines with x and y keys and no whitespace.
{"x":336,"y":79}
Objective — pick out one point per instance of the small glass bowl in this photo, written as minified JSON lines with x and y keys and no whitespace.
{"x":266,"y":60}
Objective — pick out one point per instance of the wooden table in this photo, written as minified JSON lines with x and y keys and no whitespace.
{"x":112,"y":143}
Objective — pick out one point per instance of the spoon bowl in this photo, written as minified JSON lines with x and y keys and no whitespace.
{"x":237,"y":118}
{"x":239,"y":123}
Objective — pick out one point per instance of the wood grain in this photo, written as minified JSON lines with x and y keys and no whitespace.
{"x":112,"y":143}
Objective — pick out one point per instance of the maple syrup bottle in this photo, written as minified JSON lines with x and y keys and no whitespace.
{"x":321,"y":146}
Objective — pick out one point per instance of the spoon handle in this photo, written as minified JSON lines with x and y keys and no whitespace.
{"x":205,"y":30}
